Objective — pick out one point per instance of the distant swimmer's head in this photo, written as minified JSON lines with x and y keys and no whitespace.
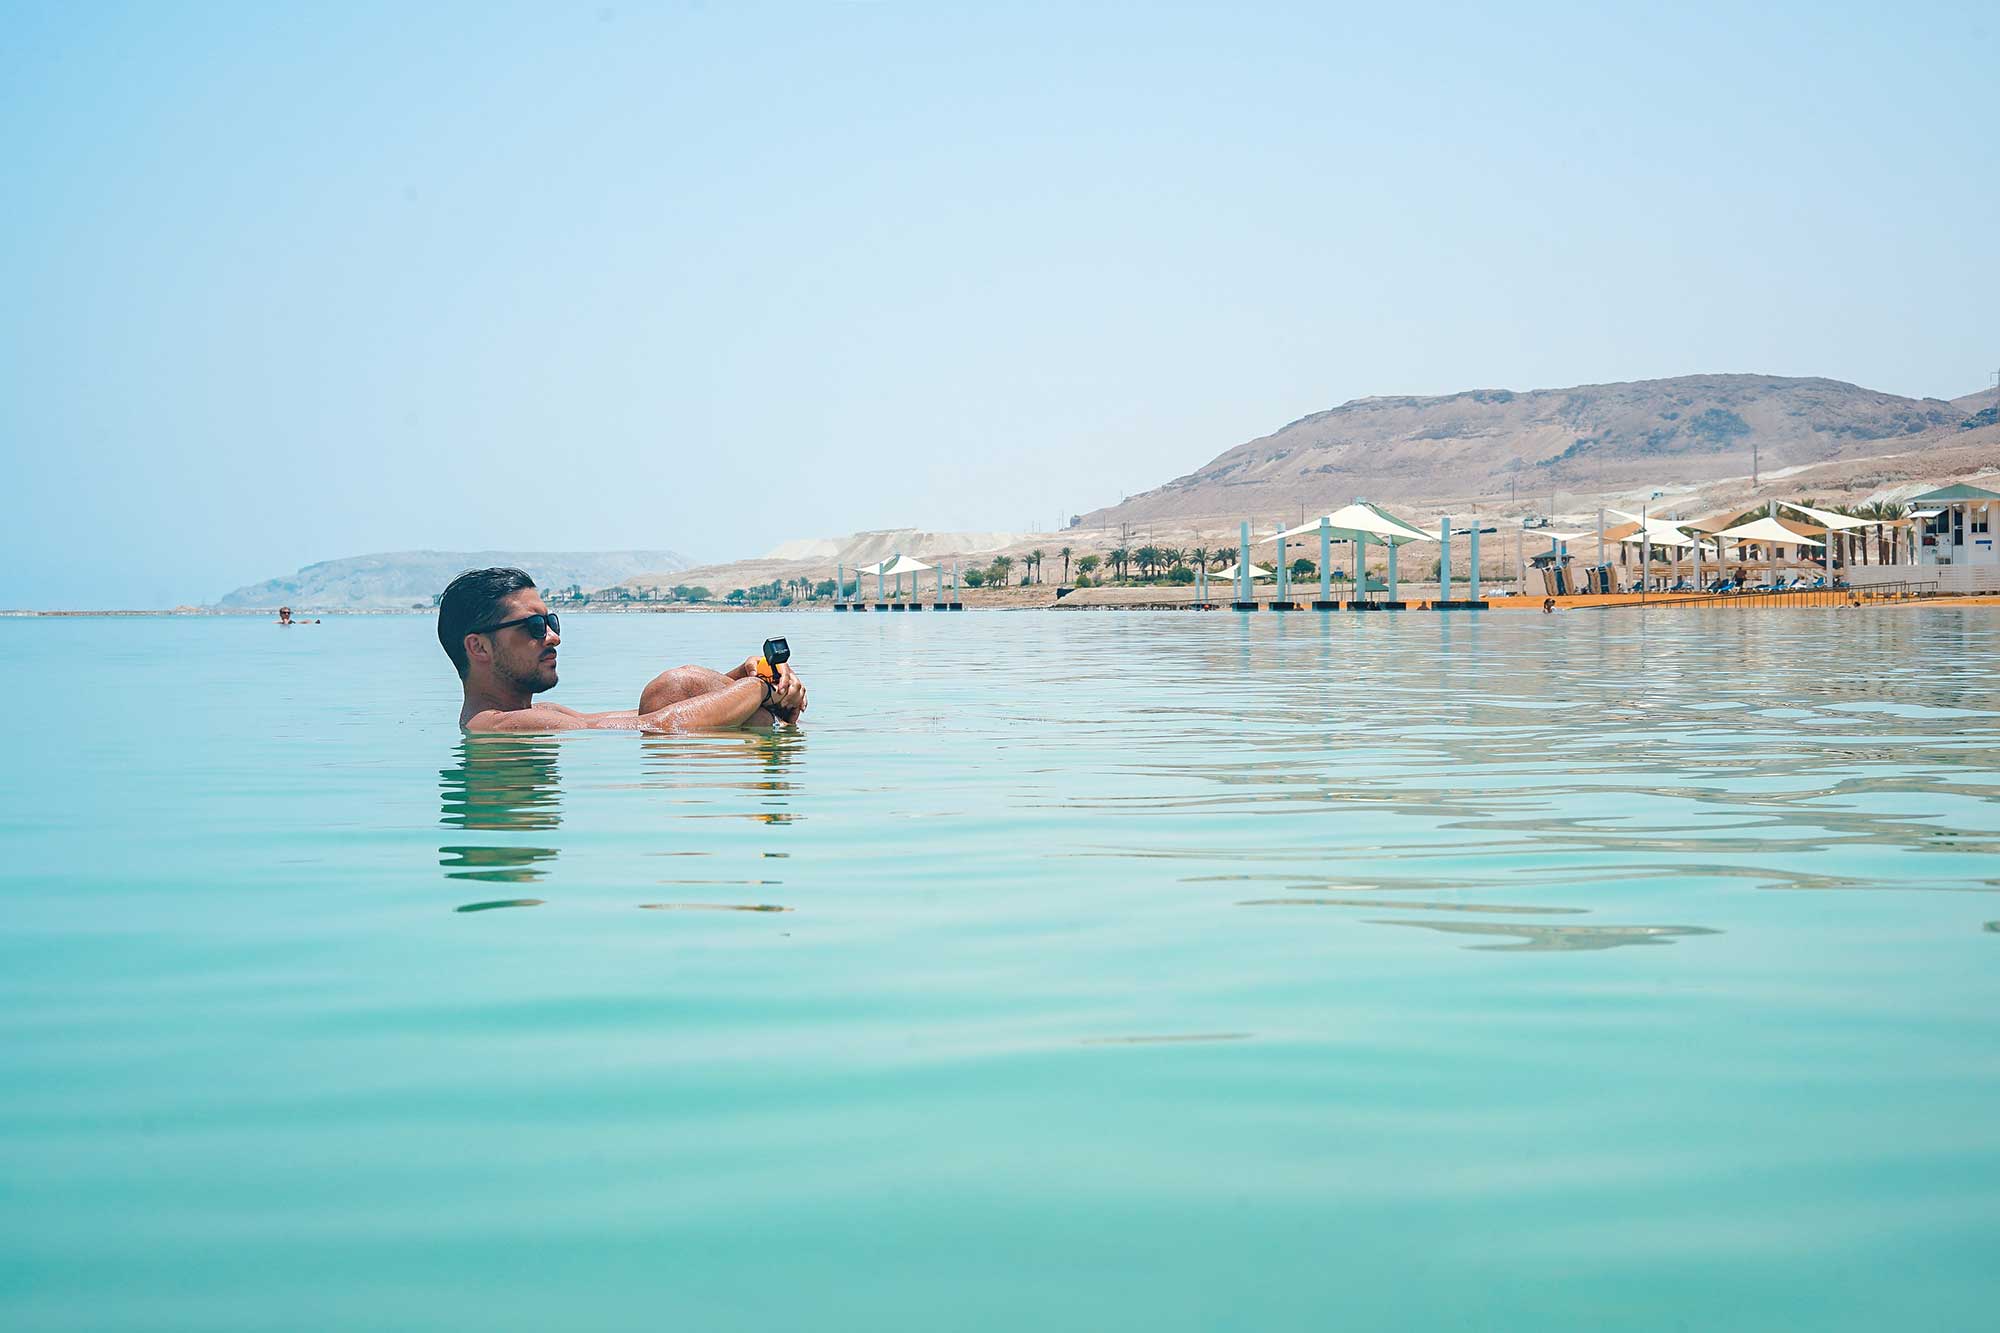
{"x":494,"y":624}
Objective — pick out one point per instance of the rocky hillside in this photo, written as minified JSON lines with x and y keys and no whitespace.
{"x":398,"y":580}
{"x":1688,"y":430}
{"x":820,"y":557}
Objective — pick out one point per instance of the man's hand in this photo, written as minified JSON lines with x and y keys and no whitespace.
{"x":788,"y":695}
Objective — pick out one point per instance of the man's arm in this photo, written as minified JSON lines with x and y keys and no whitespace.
{"x":618,"y":719}
{"x":731,"y":706}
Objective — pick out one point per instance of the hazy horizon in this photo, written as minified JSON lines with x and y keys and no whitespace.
{"x":287,"y":287}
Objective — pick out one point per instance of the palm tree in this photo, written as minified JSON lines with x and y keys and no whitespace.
{"x":1200,"y":555}
{"x":1064,"y":553}
{"x":1035,"y":563}
{"x":1119,"y":555}
{"x":1886,"y":512}
{"x":1001,"y":564}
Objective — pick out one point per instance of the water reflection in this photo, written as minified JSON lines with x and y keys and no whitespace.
{"x":501,"y":784}
{"x":1557,"y":939}
{"x":733,"y":775}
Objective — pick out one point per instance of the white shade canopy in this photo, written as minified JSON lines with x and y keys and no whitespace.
{"x":875,"y":568}
{"x":1659,"y":531}
{"x":1362,"y":517}
{"x":1256,"y":572}
{"x":1768,"y":529}
{"x":1663,"y":541}
{"x":1826,"y":518}
{"x":904,"y":565}
{"x":1660,"y":535}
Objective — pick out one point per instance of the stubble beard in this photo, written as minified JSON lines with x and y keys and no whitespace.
{"x":533,"y":681}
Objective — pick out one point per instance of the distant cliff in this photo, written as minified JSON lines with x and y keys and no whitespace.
{"x":398,"y":580}
{"x":1694,"y":428}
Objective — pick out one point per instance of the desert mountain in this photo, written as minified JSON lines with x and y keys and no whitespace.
{"x":1688,"y":430}
{"x":821,"y":556}
{"x":398,"y":580}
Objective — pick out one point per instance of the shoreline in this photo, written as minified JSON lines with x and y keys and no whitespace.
{"x":1137,"y":600}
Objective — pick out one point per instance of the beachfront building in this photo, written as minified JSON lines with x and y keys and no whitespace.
{"x":1958,"y":526}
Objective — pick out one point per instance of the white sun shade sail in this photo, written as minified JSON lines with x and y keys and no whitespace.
{"x":905,"y":565}
{"x":1923,"y":513}
{"x":1256,"y":572}
{"x":1365,"y":518}
{"x":875,"y":568}
{"x":1768,"y":529}
{"x":1660,"y":531}
{"x":1826,"y":518}
{"x":1663,"y":537}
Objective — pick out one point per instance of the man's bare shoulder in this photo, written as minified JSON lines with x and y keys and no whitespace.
{"x":538,"y":718}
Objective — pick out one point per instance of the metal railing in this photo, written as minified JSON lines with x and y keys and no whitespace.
{"x":1784,"y":598}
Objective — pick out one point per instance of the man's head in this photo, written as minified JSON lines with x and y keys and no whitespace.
{"x":470,"y":613}
{"x":284,"y":615}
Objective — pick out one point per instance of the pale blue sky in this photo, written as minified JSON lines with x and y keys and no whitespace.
{"x":286,"y":283}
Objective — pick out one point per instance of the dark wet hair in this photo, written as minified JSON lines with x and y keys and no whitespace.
{"x":471,"y":600}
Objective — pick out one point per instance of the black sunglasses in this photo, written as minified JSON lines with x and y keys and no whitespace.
{"x":536,"y":627}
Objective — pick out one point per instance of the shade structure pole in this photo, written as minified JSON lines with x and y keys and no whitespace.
{"x":1697,"y":562}
{"x":1474,"y":555}
{"x":1771,"y":512}
{"x":1645,"y":551}
{"x":1243,"y":565}
{"x":879,"y":595}
{"x":1826,"y":555}
{"x":840,"y":583}
{"x":1284,"y":574}
{"x":1600,"y":538}
{"x":1444,"y":558}
{"x":1354,"y":580}
{"x":1325,"y":560}
{"x":1392,"y":571}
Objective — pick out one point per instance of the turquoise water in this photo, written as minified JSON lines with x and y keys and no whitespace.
{"x":1631,"y":970}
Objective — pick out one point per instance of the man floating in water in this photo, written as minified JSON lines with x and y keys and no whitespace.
{"x":502,"y":637}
